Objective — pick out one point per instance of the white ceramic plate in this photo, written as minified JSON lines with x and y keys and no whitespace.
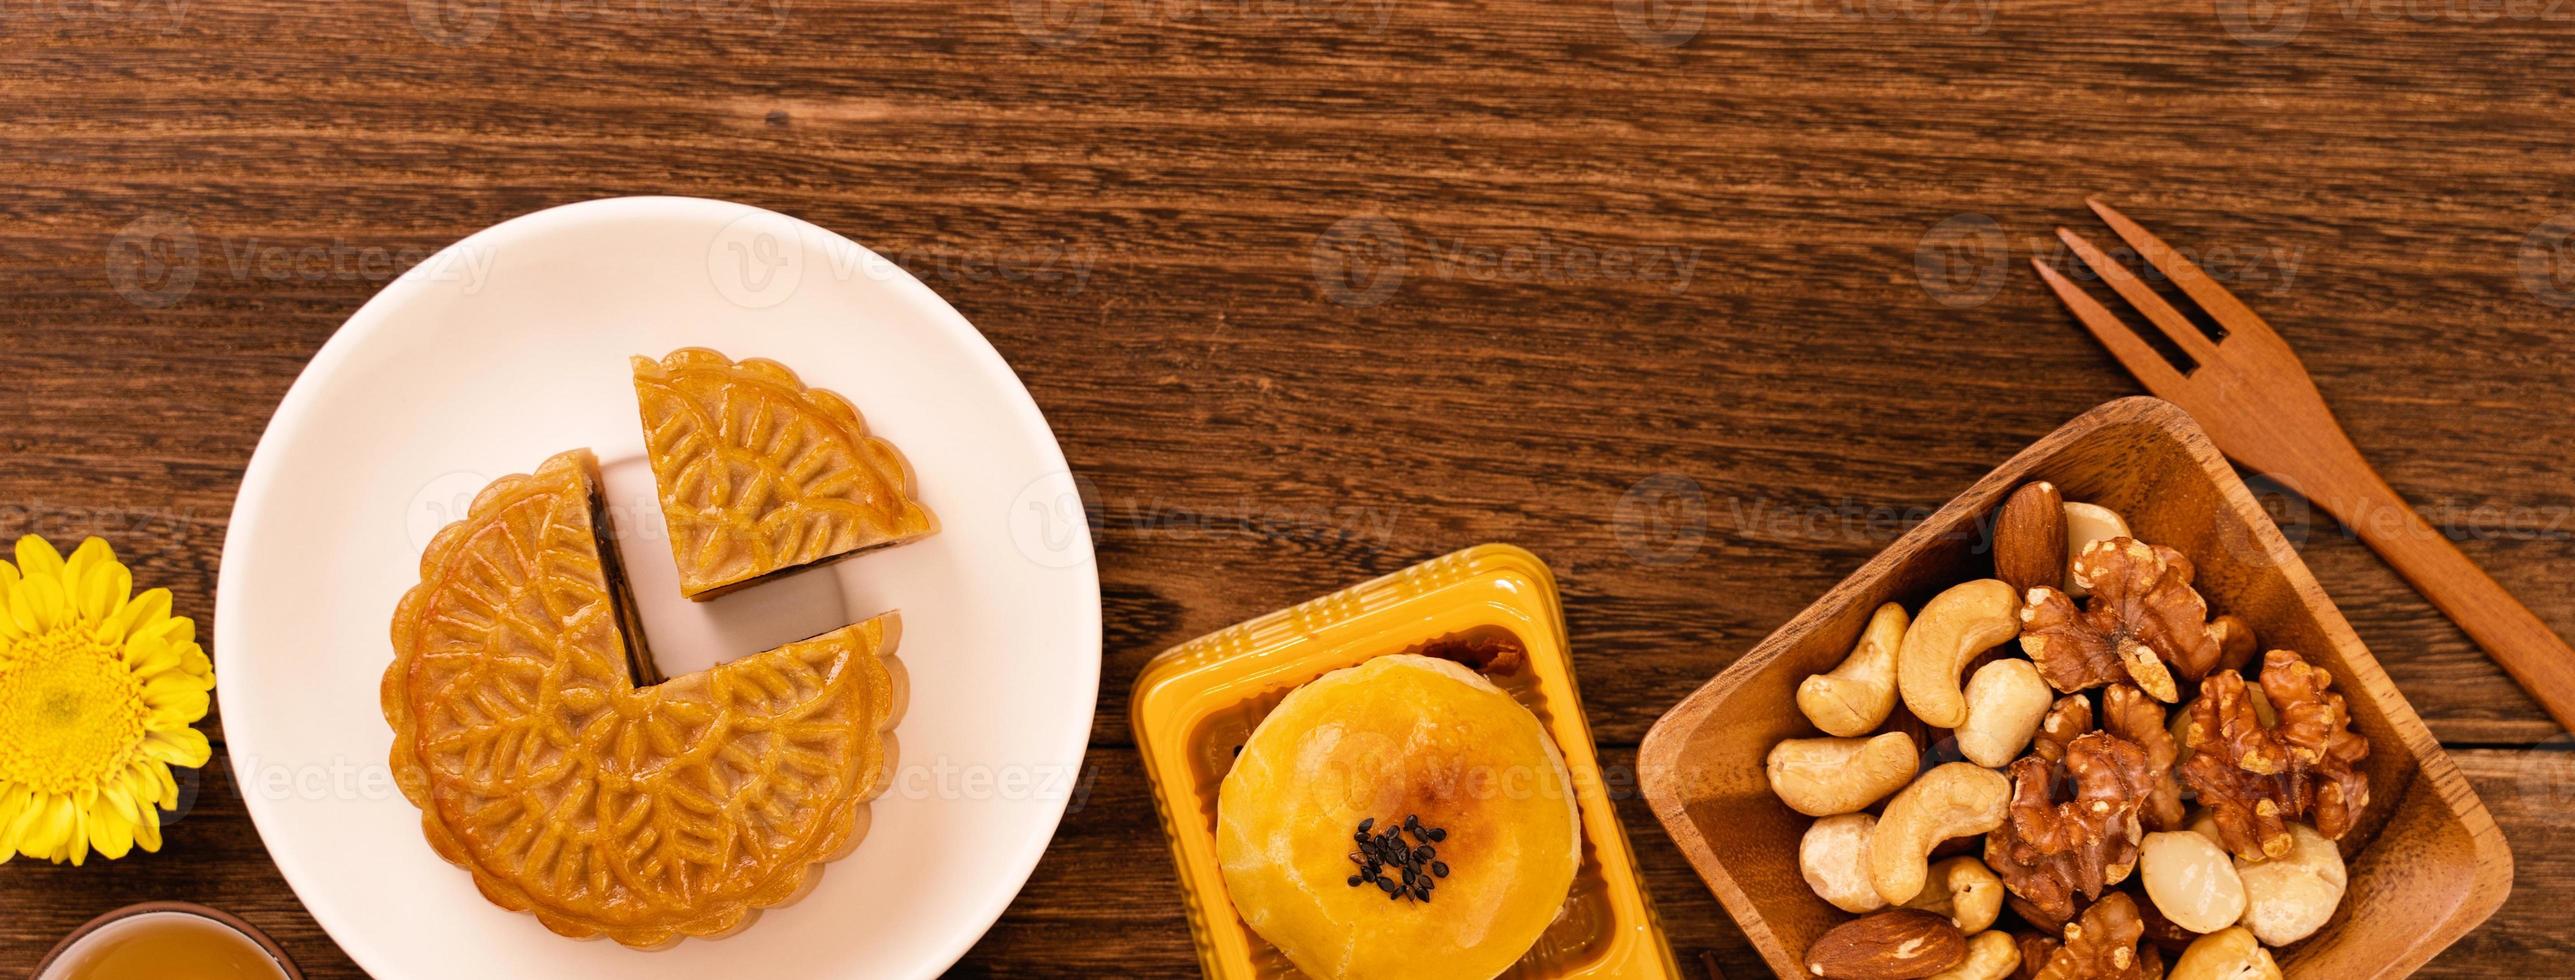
{"x":512,"y":345}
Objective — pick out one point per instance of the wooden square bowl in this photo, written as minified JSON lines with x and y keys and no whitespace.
{"x":2427,"y":862}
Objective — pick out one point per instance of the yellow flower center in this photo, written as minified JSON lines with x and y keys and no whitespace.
{"x":71,"y":712}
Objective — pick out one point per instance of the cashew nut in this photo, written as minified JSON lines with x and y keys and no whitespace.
{"x":1953,"y":800}
{"x":1954,"y":627}
{"x":1965,"y":890}
{"x":2005,"y":700}
{"x":2192,"y":880}
{"x":1820,"y":777}
{"x":2288,"y":897}
{"x":2085,"y":524}
{"x":1856,"y":697}
{"x":2227,"y":954}
{"x":1991,"y":955}
{"x":1834,"y":857}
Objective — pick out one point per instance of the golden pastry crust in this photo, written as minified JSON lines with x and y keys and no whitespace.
{"x":760,"y":474}
{"x":640,"y":814}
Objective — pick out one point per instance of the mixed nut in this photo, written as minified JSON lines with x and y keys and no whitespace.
{"x":2125,"y":745}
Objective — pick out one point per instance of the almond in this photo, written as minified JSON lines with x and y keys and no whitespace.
{"x":1897,"y":944}
{"x":2029,"y":537}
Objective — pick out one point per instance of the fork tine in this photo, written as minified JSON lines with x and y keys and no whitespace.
{"x":2221,"y":305}
{"x":2131,"y":350}
{"x":2162,"y":314}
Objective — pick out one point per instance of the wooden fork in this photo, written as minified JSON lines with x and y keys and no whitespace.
{"x":2258,"y":405}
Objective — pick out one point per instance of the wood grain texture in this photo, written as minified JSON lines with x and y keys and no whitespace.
{"x":1315,"y":289}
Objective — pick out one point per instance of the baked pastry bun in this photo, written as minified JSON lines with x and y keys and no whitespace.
{"x":1402,"y":818}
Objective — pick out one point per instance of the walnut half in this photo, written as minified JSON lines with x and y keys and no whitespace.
{"x":2103,"y":945}
{"x":2143,"y":622}
{"x":2047,"y":852}
{"x":2256,"y":778}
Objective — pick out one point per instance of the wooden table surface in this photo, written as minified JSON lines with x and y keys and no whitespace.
{"x":1703,"y":302}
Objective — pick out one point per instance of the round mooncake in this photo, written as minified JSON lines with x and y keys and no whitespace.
{"x":1402,"y":818}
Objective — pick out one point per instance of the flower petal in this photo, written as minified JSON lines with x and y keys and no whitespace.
{"x":46,"y":603}
{"x":141,"y":613}
{"x":182,"y":747}
{"x":100,"y":588}
{"x":37,"y":559}
{"x":54,"y":820}
{"x":147,"y":831}
{"x":111,"y":833}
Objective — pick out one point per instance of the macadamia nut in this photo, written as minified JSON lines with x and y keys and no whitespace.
{"x":2289,"y":897}
{"x":1834,"y":857}
{"x":2192,"y":880}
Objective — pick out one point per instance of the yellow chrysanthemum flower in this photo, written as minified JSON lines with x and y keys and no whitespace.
{"x":97,"y":689}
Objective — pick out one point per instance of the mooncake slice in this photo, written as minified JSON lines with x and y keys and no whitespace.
{"x":760,"y":475}
{"x":605,"y":807}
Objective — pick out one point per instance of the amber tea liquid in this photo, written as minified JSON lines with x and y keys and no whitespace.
{"x":164,"y":946}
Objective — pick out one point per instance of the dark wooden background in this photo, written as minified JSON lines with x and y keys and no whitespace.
{"x":1701,"y":301}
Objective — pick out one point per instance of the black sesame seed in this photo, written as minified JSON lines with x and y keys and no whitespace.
{"x":1388,"y":885}
{"x":1423,"y":853}
{"x":1355,"y":881}
{"x":1439,"y":868}
{"x":1412,"y":821}
{"x":1435,"y":834}
{"x":1365,"y":823}
{"x":1422,"y":892}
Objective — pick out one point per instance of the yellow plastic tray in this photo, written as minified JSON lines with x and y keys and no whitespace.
{"x":1197,"y":702}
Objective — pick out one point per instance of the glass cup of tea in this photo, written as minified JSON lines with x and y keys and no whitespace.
{"x":167,"y":941}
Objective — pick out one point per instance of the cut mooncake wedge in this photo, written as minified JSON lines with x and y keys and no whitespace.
{"x":607,"y":807}
{"x":760,"y":475}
